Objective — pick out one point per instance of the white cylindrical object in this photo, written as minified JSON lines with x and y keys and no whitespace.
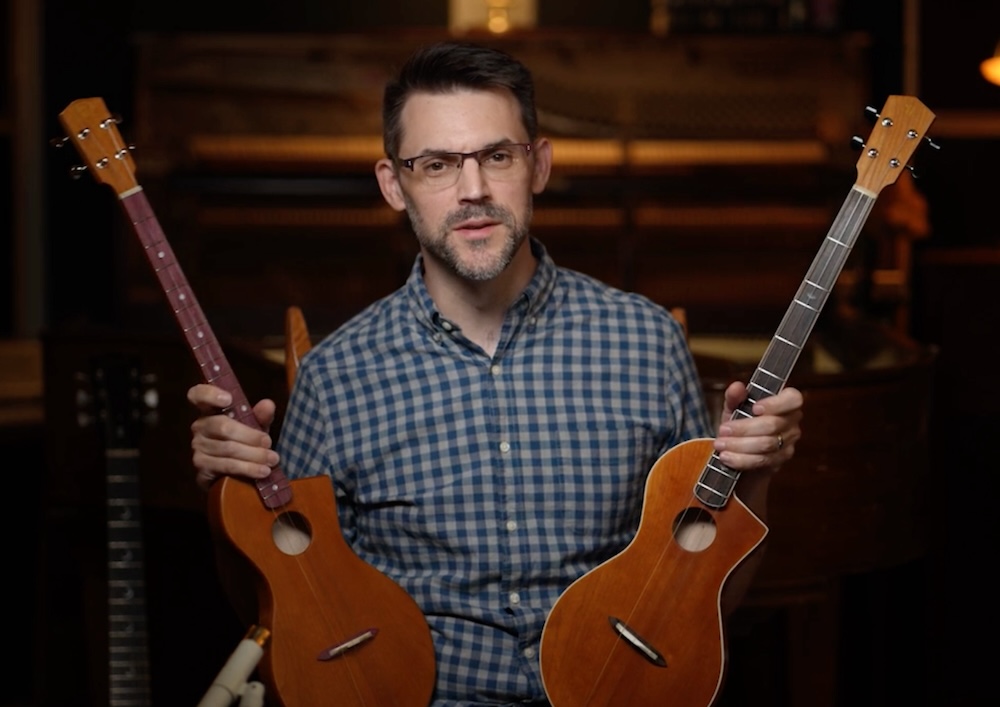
{"x":231,"y":681}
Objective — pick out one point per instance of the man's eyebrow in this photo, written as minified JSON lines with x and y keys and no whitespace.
{"x":489,"y":146}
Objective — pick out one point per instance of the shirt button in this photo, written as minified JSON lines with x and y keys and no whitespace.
{"x":512,"y":525}
{"x":515,"y":598}
{"x":505,"y":447}
{"x":495,"y":370}
{"x":446,"y":325}
{"x":529,"y":652}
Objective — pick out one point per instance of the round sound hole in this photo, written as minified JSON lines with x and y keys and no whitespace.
{"x":291,"y":533}
{"x":694,"y":529}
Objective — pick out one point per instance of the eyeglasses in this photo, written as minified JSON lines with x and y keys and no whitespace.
{"x":440,"y":170}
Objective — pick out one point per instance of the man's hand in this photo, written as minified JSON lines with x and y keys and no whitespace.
{"x":223,"y":446}
{"x":765,"y":441}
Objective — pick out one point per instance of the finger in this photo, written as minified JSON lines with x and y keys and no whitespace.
{"x":206,"y":475}
{"x":223,"y":427}
{"x":215,"y":456}
{"x":252,"y":464}
{"x":255,"y":448}
{"x":755,"y":453}
{"x":264,"y":412}
{"x":763,"y":434}
{"x":735,"y":394}
{"x":208,"y":398}
{"x":786,"y":401}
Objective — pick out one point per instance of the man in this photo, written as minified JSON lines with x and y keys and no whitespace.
{"x":488,"y":427}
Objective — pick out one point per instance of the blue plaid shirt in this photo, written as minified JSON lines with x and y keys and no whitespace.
{"x":485,"y":485}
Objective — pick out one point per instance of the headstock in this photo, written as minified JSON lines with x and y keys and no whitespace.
{"x":117,"y":396}
{"x":94,"y":133}
{"x":900,"y":129}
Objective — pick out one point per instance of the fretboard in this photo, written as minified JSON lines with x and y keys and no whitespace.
{"x":128,"y":652}
{"x":717,"y":481}
{"x":275,"y":490}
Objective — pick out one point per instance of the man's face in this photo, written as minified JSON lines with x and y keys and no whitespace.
{"x":474,"y":226}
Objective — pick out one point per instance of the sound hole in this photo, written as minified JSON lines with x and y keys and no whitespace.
{"x":291,"y":533}
{"x":694,"y":529}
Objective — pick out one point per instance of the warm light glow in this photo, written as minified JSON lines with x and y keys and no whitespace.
{"x":498,"y":24}
{"x":495,"y":16}
{"x":991,"y":68}
{"x":499,"y":16}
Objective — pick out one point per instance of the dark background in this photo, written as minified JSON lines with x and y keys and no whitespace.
{"x":87,"y":52}
{"x":934,"y":616}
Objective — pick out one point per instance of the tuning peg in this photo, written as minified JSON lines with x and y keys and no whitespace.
{"x":151,"y":398}
{"x":84,"y":401}
{"x":858,"y":142}
{"x":59,"y":141}
{"x":113,"y":118}
{"x":77,"y":170}
{"x":872,"y":114}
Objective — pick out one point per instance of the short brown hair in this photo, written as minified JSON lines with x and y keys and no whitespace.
{"x":447,"y":66}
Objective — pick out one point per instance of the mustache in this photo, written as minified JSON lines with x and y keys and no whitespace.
{"x":475,"y":211}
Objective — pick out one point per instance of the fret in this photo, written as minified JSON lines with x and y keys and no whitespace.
{"x":117,"y":391}
{"x":115,"y":167}
{"x":714,"y":487}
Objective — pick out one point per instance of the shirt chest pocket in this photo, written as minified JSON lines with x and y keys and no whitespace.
{"x":601,"y":476}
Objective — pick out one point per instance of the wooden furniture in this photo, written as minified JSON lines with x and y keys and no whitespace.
{"x":854,"y":501}
{"x":686,"y":168}
{"x":22,"y":146}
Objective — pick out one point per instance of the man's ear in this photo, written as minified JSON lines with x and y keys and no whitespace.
{"x":388,"y":182}
{"x":543,"y":165}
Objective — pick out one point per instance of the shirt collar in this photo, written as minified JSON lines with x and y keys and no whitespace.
{"x":531,"y":300}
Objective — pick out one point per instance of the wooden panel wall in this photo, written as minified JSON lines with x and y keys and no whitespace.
{"x":695,"y":170}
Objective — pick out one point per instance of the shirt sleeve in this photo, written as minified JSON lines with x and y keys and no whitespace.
{"x":684,"y":392}
{"x":304,"y":443}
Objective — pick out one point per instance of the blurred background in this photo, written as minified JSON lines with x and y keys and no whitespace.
{"x":702,"y":150}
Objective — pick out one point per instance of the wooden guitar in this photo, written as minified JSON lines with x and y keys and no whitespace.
{"x":645,"y":627}
{"x":297,"y":342}
{"x":117,"y":392}
{"x":341,"y":632}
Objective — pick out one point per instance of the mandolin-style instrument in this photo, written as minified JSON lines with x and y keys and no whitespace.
{"x":341,"y":632}
{"x":645,"y":628}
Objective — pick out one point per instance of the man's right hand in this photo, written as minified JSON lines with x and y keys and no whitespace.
{"x":224,"y":446}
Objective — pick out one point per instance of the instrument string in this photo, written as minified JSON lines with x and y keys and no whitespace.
{"x":828,"y":264}
{"x":215,"y":369}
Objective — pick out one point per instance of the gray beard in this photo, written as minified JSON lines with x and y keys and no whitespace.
{"x":439,"y":246}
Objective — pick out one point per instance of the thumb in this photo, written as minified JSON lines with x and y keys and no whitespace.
{"x":264,"y":412}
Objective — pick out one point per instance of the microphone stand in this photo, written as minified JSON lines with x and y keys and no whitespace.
{"x":232,"y":682}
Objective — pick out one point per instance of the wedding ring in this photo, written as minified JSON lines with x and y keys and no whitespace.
{"x":781,"y":441}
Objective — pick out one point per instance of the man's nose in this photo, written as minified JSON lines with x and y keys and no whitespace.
{"x":472,"y":183}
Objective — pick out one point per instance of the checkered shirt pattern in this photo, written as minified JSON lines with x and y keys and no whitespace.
{"x":485,"y":485}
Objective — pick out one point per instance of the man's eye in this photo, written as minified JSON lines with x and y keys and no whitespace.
{"x":435,"y":166}
{"x":500,"y":157}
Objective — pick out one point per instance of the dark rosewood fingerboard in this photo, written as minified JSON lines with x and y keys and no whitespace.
{"x":128,"y":651}
{"x":717,"y":481}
